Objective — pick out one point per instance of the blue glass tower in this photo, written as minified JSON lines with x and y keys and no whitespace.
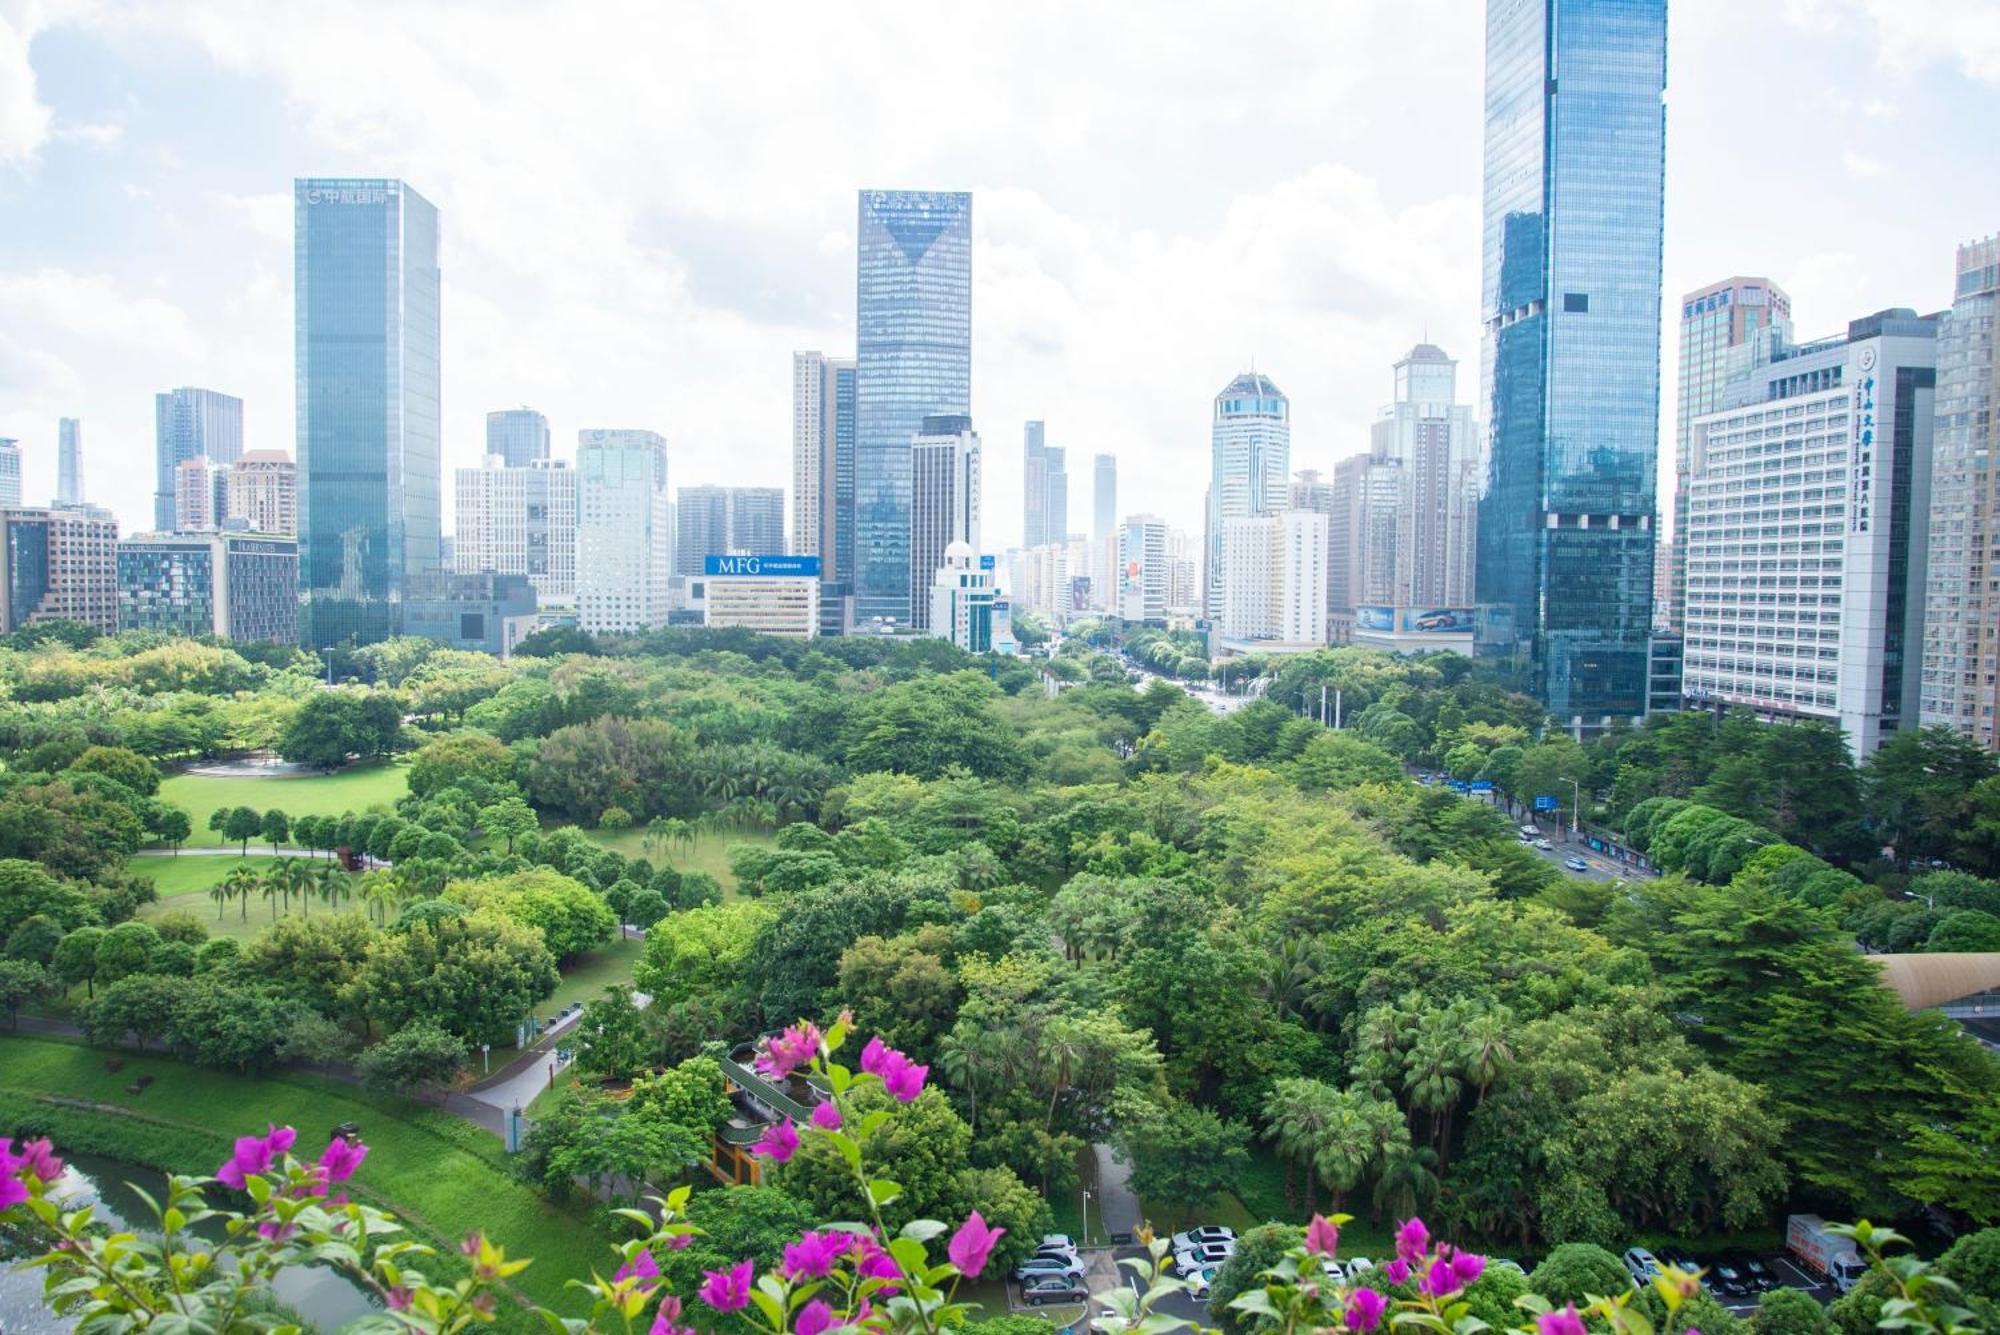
{"x":1575,"y":168}
{"x":913,"y":358}
{"x":366,"y":346}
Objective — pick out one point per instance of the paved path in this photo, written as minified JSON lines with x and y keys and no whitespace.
{"x":1117,"y":1204}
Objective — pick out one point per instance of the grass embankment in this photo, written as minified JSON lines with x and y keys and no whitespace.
{"x":356,"y":788}
{"x":445,"y":1177}
{"x":708,"y":852}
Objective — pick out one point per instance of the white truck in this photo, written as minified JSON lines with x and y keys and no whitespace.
{"x":1827,"y":1256}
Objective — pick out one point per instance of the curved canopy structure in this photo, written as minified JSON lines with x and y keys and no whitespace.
{"x":1924,"y":981}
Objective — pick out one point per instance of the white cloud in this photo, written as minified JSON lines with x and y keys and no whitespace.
{"x":1910,"y":35}
{"x":1863,"y":167}
{"x":94,"y":309}
{"x":24,"y":121}
{"x":97,"y":134}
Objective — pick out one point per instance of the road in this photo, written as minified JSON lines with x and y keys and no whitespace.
{"x":1601,"y":868}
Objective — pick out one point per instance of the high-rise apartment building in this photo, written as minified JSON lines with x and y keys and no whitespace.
{"x":240,"y":587}
{"x":366,"y":346}
{"x":10,"y":472}
{"x":1434,"y":442}
{"x":191,"y":423}
{"x":69,"y":462}
{"x":519,"y":521}
{"x":624,"y":530}
{"x":913,"y":358}
{"x":701,"y":527}
{"x":520,"y":436}
{"x":823,"y":463}
{"x":1276,"y":589}
{"x":263,"y":493}
{"x":1808,"y":497}
{"x":944,"y":501}
{"x":1570,"y":361}
{"x":1250,"y":463}
{"x":1714,"y":321}
{"x":756,"y":520}
{"x":1145,"y":575}
{"x":58,"y":565}
{"x":201,"y":495}
{"x":1367,"y":496}
{"x":1961,"y":652}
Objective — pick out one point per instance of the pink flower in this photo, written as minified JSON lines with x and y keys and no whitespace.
{"x":255,"y":1154}
{"x":813,"y":1255}
{"x":874,"y":1054}
{"x":1397,"y":1271}
{"x":972,"y":1244}
{"x":642,"y":1270}
{"x":727,"y":1290}
{"x":1364,"y":1309}
{"x":778,"y":1143}
{"x":1412,"y":1240}
{"x":399,"y":1298}
{"x":677,"y":1242}
{"x":1466,"y":1267}
{"x":340,"y":1158}
{"x":826,"y":1116}
{"x":12,"y":1190}
{"x":1438,"y":1280}
{"x":38,"y":1157}
{"x":1322,"y":1237}
{"x":1565,"y":1322}
{"x":904,"y":1078}
{"x":664,"y":1320}
{"x":813,"y":1318}
{"x":272,"y":1231}
{"x":789,"y":1049}
{"x":874,"y":1263}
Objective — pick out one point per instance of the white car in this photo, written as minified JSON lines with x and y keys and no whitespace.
{"x":1357,"y":1268}
{"x":1203,"y":1234}
{"x":1545,"y":845}
{"x":1199,"y":1283}
{"x":1642,"y":1265}
{"x":1205,"y":1257}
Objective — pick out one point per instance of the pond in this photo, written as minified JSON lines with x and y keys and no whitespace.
{"x":320,"y":1297}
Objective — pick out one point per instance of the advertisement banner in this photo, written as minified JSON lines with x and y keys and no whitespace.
{"x":1438,"y":620}
{"x":794,"y":567}
{"x":1375,"y":618}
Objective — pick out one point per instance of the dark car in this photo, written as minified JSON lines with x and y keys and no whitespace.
{"x":1048,"y":1267}
{"x":1726,"y":1280}
{"x":1053,"y":1289}
{"x":1755,"y":1272}
{"x":1676,"y":1258}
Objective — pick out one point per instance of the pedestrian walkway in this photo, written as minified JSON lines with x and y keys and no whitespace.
{"x":1117,"y":1204}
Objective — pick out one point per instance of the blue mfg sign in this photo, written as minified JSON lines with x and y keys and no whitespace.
{"x":1544,"y":802}
{"x":794,"y":567}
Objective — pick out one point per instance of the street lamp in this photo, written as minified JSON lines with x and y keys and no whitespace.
{"x":1083,"y":1233}
{"x":1575,"y":807}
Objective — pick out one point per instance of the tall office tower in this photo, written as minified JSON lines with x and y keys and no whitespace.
{"x":1570,"y":361}
{"x":1808,"y":501}
{"x":701,"y":527}
{"x":1104,"y":495}
{"x":188,"y":423}
{"x":237,"y":586}
{"x":1962,"y":616}
{"x":1663,"y":585}
{"x":1714,"y":320}
{"x":519,"y":521}
{"x":69,"y":461}
{"x":944,"y":501}
{"x":1185,"y":555}
{"x":1312,"y":490}
{"x":1250,"y":449}
{"x":913,"y":358}
{"x":58,"y":565}
{"x":757,"y":520}
{"x":624,"y":529}
{"x":1145,"y":576}
{"x":1361,"y":532}
{"x":366,"y":343}
{"x":520,"y":436}
{"x":823,"y":463}
{"x":201,"y":498}
{"x":263,"y":493}
{"x":10,"y":472}
{"x":1433,"y":439}
{"x":1035,"y":484}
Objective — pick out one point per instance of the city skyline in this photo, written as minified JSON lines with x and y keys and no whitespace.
{"x":1073,"y":321}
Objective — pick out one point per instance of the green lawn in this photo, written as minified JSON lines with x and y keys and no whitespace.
{"x":176,"y":877}
{"x":586,"y":976}
{"x":445,"y":1176}
{"x":709,"y":851}
{"x":356,"y":788}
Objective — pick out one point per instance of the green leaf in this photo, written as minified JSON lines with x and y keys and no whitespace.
{"x":881,"y":1191}
{"x":923,"y":1230}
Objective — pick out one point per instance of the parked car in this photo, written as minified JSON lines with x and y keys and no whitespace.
{"x":1575,"y":864}
{"x":1066,"y":1256}
{"x":1357,"y":1268}
{"x":1827,"y":1255}
{"x":1755,"y":1272}
{"x":1047,"y":1267}
{"x":1531,"y":830}
{"x":1053,"y":1289}
{"x":1726,"y":1281}
{"x":1201,"y":1235}
{"x":1062,"y":1240}
{"x":1676,"y":1258}
{"x":1199,"y":1283}
{"x":1190,"y":1259}
{"x":1545,"y":845}
{"x":1641,"y":1265}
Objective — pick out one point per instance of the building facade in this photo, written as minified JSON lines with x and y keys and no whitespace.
{"x":1434,"y":442}
{"x":69,"y":462}
{"x":519,"y":521}
{"x":486,"y":613}
{"x":1276,"y":590}
{"x":823,"y":462}
{"x":10,"y":472}
{"x":1961,"y":655}
{"x":1570,"y":360}
{"x":771,"y":594}
{"x":1715,"y":320}
{"x":1808,"y":503}
{"x":520,"y":436}
{"x":756,"y":519}
{"x":701,"y":527}
{"x":1362,"y":533}
{"x":189,"y":423}
{"x":58,"y":565}
{"x":944,"y":501}
{"x":1250,"y":464}
{"x":624,"y":530}
{"x":239,"y":587}
{"x":1145,"y":570}
{"x":1044,"y":487}
{"x":913,"y":358}
{"x":962,"y":598}
{"x":201,"y":495}
{"x":367,"y":350}
{"x":263,"y":492}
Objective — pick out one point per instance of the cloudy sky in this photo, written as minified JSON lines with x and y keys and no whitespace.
{"x":648,"y":206}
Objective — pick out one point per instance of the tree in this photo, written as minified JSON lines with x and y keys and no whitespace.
{"x":123,"y":766}
{"x":142,"y":1006}
{"x":571,"y":916}
{"x":243,"y":825}
{"x":1184,"y":1156}
{"x":1297,"y":1115}
{"x":125,"y":950}
{"x":1966,"y":930}
{"x":75,"y":960}
{"x":620,"y":1149}
{"x":700,"y":952}
{"x":27,"y":890}
{"x":1919,"y":785}
{"x":174,"y":827}
{"x":611,"y":1036}
{"x":509,"y":819}
{"x":644,"y":908}
{"x":421,"y":1053}
{"x":1576,"y":1271}
{"x":276,"y":827}
{"x":469,"y":760}
{"x":35,"y":939}
{"x":923,"y":1145}
{"x":1257,"y":1250}
{"x":900,"y":988}
{"x":1789,"y":1312}
{"x":476,"y":976}
{"x":20,"y":981}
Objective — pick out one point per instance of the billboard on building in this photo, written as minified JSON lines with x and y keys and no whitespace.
{"x":1438,"y":620}
{"x":776,"y":566}
{"x":1375,"y":618}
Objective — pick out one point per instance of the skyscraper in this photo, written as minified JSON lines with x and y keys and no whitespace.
{"x":1362,"y":532}
{"x":1103,"y":496}
{"x":701,"y":527}
{"x":1250,"y":463}
{"x":1714,"y":319}
{"x":519,"y":521}
{"x":757,"y":520}
{"x":1570,"y":361}
{"x":520,"y":436}
{"x":1145,"y":574}
{"x":10,"y":472}
{"x":1961,"y":654}
{"x":366,"y":317}
{"x":623,"y":530}
{"x":1034,"y":484}
{"x":823,"y":464}
{"x":944,"y":501}
{"x":1432,"y":439}
{"x":263,"y":492}
{"x":201,"y":498}
{"x":913,"y":358}
{"x":58,"y":565}
{"x":69,"y":462}
{"x":187,"y":423}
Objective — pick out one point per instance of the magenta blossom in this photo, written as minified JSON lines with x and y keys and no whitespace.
{"x":677,"y":1242}
{"x":399,"y":1298}
{"x":813,"y":1255}
{"x":727,"y":1290}
{"x":1467,"y":1267}
{"x":789,"y":1049}
{"x":1364,"y":1310}
{"x":972,"y":1244}
{"x":1439,"y":1281}
{"x":1322,"y":1237}
{"x":1397,"y":1271}
{"x":340,"y":1158}
{"x":666,"y":1320}
{"x":642,"y":1271}
{"x":813,"y":1318}
{"x":12,"y":1190}
{"x":255,"y":1154}
{"x":1565,"y":1322}
{"x":874,"y":1263}
{"x":38,"y":1157}
{"x":874,"y":1054}
{"x":778,"y":1143}
{"x":272,"y":1231}
{"x":826,"y":1116}
{"x":904,"y":1078}
{"x":1412,"y":1240}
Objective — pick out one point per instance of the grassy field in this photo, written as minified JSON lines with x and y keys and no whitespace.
{"x":709,"y":852}
{"x":356,"y":788}
{"x":586,"y":976}
{"x":445,"y":1176}
{"x":175,"y":878}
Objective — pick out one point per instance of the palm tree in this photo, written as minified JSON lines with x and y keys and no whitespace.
{"x":334,"y":886}
{"x":1408,"y":1182}
{"x":1430,"y":1077}
{"x":378,"y":890}
{"x":1296,"y":1113}
{"x":1347,"y":1148}
{"x":1060,"y":1049}
{"x":221,"y":892}
{"x":1294,"y":962}
{"x":1486,"y":1051}
{"x":272,"y":887}
{"x":238,"y":884}
{"x":959,"y":1060}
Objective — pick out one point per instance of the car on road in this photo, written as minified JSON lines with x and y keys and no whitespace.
{"x":1190,"y":1259}
{"x":1757,"y":1273}
{"x":1641,"y":1265}
{"x":1545,"y":845}
{"x":1575,"y":864}
{"x":1048,"y":1267}
{"x":1053,"y":1289}
{"x":1530,"y":830}
{"x":1201,"y":1235}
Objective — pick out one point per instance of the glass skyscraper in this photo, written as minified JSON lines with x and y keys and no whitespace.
{"x":366,"y":331}
{"x":1575,"y":168}
{"x":190,"y":423}
{"x":1250,"y":465}
{"x":520,"y":436}
{"x":913,"y":359}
